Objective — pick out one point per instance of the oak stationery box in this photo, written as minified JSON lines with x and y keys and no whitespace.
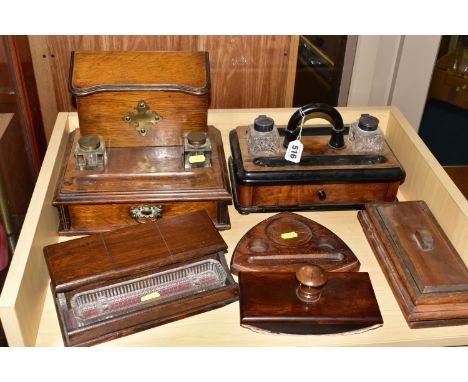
{"x":141,"y":98}
{"x":116,"y":283}
{"x":124,"y":167}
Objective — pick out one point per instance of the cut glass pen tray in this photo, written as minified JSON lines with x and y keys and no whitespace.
{"x":114,"y":300}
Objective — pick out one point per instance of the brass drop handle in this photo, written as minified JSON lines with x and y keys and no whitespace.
{"x":145,"y":214}
{"x":312,"y":279}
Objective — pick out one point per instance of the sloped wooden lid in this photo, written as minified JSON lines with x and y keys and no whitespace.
{"x":92,"y":72}
{"x":127,"y":251}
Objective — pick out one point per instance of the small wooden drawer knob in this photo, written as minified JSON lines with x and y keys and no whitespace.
{"x":321,"y":195}
{"x":311,"y":279}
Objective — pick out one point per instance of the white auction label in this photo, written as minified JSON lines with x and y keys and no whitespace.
{"x":294,"y":151}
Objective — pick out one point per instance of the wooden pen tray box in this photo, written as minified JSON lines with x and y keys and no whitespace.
{"x":140,"y":184}
{"x":426,"y":274}
{"x":141,"y":98}
{"x":116,"y":283}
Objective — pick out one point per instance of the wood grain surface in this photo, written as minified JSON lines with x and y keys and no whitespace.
{"x":307,"y":194}
{"x":104,"y":217}
{"x":427,"y":276}
{"x":102,"y":114}
{"x":97,"y":69}
{"x":17,"y":174}
{"x":347,"y":302}
{"x":248,"y":71}
{"x":60,"y":48}
{"x":87,"y":264}
{"x":325,"y":191}
{"x":265,"y":248}
{"x":100,"y":200}
{"x":314,"y":145}
{"x":145,"y":172}
{"x":179,"y":111}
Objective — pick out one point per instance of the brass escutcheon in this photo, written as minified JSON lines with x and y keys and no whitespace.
{"x":143,"y":119}
{"x":145,"y":214}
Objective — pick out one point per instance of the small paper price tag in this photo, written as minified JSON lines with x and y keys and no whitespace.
{"x":294,"y":151}
{"x":289,"y":235}
{"x":150,"y":296}
{"x":196,"y":158}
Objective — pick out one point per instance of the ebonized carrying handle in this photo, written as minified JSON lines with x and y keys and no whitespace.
{"x":317,"y":110}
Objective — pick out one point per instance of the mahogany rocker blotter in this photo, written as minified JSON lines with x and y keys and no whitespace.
{"x":309,"y":301}
{"x":426,"y":274}
{"x":297,"y":277}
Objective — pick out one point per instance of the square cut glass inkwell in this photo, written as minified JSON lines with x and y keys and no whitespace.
{"x":197,"y":150}
{"x":90,"y":153}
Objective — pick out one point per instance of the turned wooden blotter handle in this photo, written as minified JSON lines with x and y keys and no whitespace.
{"x":311,"y":279}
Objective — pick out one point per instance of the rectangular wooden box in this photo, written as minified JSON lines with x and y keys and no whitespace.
{"x":110,"y":87}
{"x":269,"y":184}
{"x":27,"y":307}
{"x":427,"y":276}
{"x":141,"y":178}
{"x":90,"y":278}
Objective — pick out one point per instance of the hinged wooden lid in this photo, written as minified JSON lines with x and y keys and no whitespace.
{"x":427,"y":275}
{"x":131,"y":250}
{"x":92,"y":72}
{"x":428,"y":259}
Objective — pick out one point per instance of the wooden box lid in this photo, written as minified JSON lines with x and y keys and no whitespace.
{"x":427,"y":275}
{"x":131,"y":250}
{"x":93,"y":72}
{"x":269,"y":302}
